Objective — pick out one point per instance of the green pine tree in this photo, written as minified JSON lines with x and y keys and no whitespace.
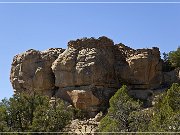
{"x":121,"y":105}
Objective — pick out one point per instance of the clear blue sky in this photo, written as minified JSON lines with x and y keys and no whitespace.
{"x":43,"y":26}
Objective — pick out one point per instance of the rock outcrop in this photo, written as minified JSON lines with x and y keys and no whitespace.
{"x":88,"y":72}
{"x":142,"y":68}
{"x":32,"y":71}
{"x":86,"y":62}
{"x":87,"y":126}
{"x":84,"y":70}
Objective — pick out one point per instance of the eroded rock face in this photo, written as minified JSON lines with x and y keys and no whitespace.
{"x":32,"y":70}
{"x":142,"y":68}
{"x":88,"y":72}
{"x":86,"y":62}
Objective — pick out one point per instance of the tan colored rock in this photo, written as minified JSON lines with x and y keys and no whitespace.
{"x":88,"y":72}
{"x":86,"y":62}
{"x":32,"y":70}
{"x":90,"y":98}
{"x":89,"y":126}
{"x":83,"y":99}
{"x":98,"y":117}
{"x":142,"y":68}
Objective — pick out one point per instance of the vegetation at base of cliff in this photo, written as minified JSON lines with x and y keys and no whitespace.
{"x":126,"y":114}
{"x":121,"y":106}
{"x":33,"y":112}
{"x":167,"y":111}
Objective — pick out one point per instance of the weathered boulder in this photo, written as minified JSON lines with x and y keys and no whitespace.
{"x":86,"y":62}
{"x":89,"y":98}
{"x":83,"y":99}
{"x":32,"y":70}
{"x":142,"y":68}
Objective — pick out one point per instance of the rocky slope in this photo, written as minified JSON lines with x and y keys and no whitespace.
{"x":89,"y":72}
{"x":86,"y":126}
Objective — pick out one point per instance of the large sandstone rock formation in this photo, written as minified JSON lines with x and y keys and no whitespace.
{"x":88,"y":72}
